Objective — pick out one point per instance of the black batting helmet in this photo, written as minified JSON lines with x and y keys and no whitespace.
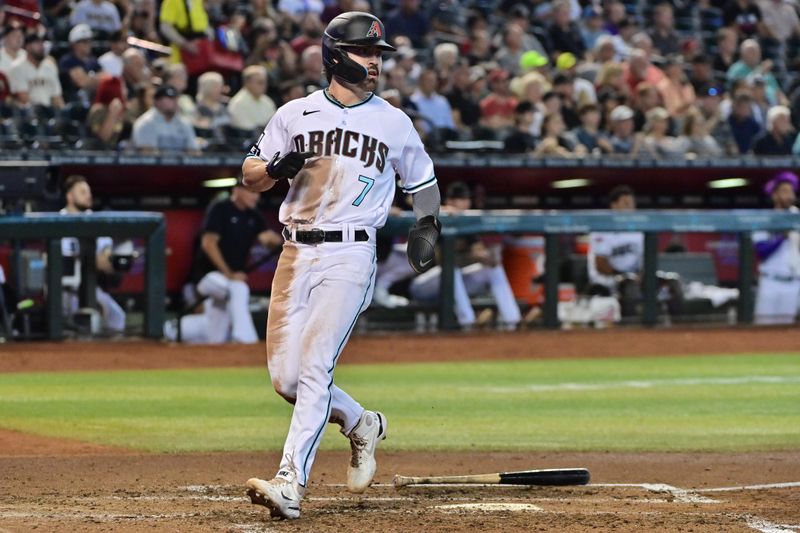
{"x":354,"y":28}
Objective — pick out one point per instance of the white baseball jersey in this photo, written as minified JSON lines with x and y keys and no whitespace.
{"x":624,"y":250}
{"x":785,"y":260}
{"x":778,"y":293}
{"x":359,"y":150}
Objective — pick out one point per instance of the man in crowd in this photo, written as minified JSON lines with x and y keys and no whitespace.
{"x":251,"y":107}
{"x":161,"y":129}
{"x":33,"y":78}
{"x":79,"y":68}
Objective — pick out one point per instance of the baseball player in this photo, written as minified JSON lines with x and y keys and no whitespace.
{"x":78,"y":196}
{"x":340,"y":148}
{"x":778,"y":293}
{"x":615,"y":259}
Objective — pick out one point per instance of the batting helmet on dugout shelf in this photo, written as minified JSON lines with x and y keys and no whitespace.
{"x":354,"y":28}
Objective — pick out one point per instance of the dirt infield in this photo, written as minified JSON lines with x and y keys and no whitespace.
{"x":63,"y":485}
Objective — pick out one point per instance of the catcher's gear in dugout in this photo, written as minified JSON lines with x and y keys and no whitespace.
{"x":288,"y":166}
{"x":422,"y":243}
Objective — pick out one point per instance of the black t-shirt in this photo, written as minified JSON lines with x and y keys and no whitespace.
{"x":236,"y":229}
{"x":746,"y":19}
{"x":519,"y":142}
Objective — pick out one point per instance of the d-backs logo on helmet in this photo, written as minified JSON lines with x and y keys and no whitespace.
{"x":375,"y":30}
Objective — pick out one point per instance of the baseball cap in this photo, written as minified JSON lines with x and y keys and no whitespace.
{"x":782,"y":177}
{"x":532,"y":59}
{"x":81,"y":32}
{"x":566,"y":61}
{"x":621,"y":112}
{"x":166,"y":91}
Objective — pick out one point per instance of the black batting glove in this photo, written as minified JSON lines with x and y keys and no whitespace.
{"x":288,"y":166}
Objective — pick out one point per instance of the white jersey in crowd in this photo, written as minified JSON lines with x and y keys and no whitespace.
{"x":40,"y":82}
{"x":359,"y":151}
{"x":624,"y":250}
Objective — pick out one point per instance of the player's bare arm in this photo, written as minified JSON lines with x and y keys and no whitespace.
{"x":254,"y":175}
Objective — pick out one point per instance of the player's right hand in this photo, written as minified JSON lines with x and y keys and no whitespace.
{"x":288,"y":166}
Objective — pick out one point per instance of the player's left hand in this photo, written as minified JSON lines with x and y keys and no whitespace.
{"x":288,"y":166}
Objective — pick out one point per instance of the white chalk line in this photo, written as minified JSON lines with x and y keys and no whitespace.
{"x":766,"y":486}
{"x":681,"y":495}
{"x":641,"y":384}
{"x":765,"y":526}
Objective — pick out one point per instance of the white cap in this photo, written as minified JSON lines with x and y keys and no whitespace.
{"x":79,"y":33}
{"x":621,"y":112}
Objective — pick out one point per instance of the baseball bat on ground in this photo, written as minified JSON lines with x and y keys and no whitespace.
{"x":555,"y":476}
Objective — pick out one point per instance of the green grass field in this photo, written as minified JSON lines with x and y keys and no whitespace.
{"x":721,"y":403}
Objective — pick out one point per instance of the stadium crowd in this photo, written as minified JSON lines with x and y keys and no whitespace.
{"x":561,"y":78}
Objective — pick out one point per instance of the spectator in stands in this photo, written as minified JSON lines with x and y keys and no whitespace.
{"x":708,"y":99}
{"x":408,"y":19}
{"x":655,"y":140}
{"x":702,"y":72}
{"x":12,"y":48}
{"x":780,"y":20}
{"x":295,"y":9}
{"x":272,"y":52}
{"x":161,"y":129}
{"x":112,"y":61}
{"x":212,"y":109}
{"x":106,"y":119}
{"x":521,"y":141}
{"x":592,"y":27}
{"x":251,"y":108}
{"x":622,"y":138}
{"x":78,"y":196}
{"x":778,"y":138}
{"x":727,"y":53}
{"x":143,"y":21}
{"x":745,"y":17}
{"x":638,"y":69}
{"x":646,"y":98}
{"x":508,"y":56}
{"x":664,"y":37}
{"x":778,"y":293}
{"x":445,"y":59}
{"x":33,"y":78}
{"x":177,"y":78}
{"x":497,"y":108}
{"x":743,"y":126}
{"x":79,"y":68}
{"x":463,"y":102}
{"x":433,"y":107}
{"x":480,"y":47}
{"x":611,"y":77}
{"x":564,"y":87}
{"x":761,"y":103}
{"x":220,"y":266}
{"x":750,"y":65}
{"x":311,"y":30}
{"x":696,"y":139}
{"x":135,"y":71}
{"x":181,"y":23}
{"x":311,"y":67}
{"x":479,"y":269}
{"x":99,"y":15}
{"x":676,"y":92}
{"x":588,"y":133}
{"x":553,"y":142}
{"x":615,"y":15}
{"x":564,"y":34}
{"x":583,"y":91}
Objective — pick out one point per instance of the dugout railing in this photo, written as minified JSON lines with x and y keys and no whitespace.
{"x":552,"y":224}
{"x":52,"y":227}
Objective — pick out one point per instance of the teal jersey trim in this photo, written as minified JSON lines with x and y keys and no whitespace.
{"x":422,"y":185}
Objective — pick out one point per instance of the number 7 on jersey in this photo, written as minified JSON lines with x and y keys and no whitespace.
{"x":368,"y":183}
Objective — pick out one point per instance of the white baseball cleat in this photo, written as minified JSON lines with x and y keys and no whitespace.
{"x":280,"y":495}
{"x":370,"y":430}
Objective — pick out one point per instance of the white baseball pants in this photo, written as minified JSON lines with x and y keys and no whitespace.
{"x":227,"y":311}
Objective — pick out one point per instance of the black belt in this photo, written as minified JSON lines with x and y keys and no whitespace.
{"x":317,"y":235}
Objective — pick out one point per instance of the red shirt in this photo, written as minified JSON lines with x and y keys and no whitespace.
{"x":494,"y":104}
